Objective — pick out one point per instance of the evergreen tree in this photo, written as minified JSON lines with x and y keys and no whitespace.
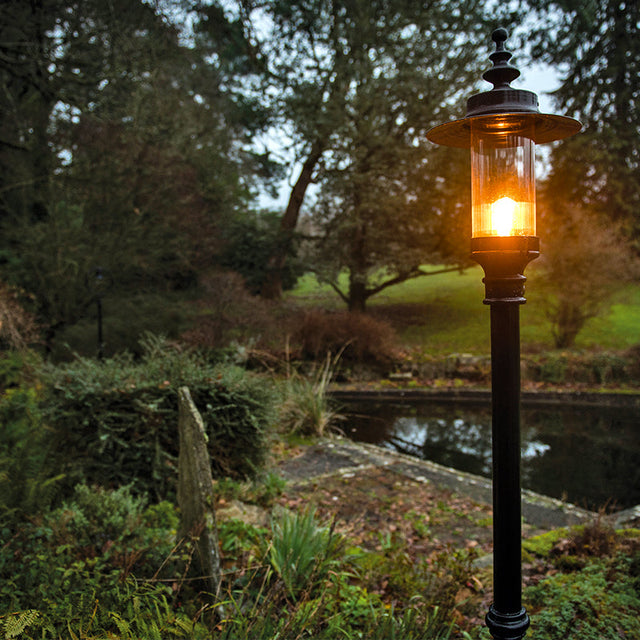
{"x":116,"y":148}
{"x":595,"y":44}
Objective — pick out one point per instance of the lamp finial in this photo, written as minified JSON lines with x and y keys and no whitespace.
{"x":502,"y":73}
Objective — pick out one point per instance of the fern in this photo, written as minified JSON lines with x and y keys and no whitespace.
{"x":123,"y":626}
{"x":16,"y":623}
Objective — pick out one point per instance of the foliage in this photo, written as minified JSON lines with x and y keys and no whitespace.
{"x":354,"y":89}
{"x":583,"y":264}
{"x":600,"y":602}
{"x":116,"y":420}
{"x":228,"y":314}
{"x":262,"y":490}
{"x":29,"y":480}
{"x":355,"y":336}
{"x":302,"y":551}
{"x":18,"y":328}
{"x":126,"y":319}
{"x":316,"y":620}
{"x":72,"y":570}
{"x":306,"y":409}
{"x":95,"y":165}
{"x":592,"y":368}
{"x":444,"y":315}
{"x":363,"y":229}
{"x":595,"y":46}
{"x":250,"y":240}
{"x":438,"y":577}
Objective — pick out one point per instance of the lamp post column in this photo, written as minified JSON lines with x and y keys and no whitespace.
{"x":503,"y":261}
{"x":99,"y":286}
{"x":506,"y":618}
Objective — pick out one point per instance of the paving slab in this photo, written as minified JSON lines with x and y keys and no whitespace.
{"x":342,"y":456}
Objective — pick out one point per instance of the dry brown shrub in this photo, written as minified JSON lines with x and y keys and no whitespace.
{"x":597,"y":538}
{"x":228,"y":312}
{"x":359,"y":337}
{"x":18,"y":328}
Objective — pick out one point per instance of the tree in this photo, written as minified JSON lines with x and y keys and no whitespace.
{"x":584,"y":262}
{"x":59,"y":59}
{"x":333,"y":72}
{"x":117,"y":150}
{"x":596,"y":47}
{"x":249,"y":241}
{"x":388,"y":213}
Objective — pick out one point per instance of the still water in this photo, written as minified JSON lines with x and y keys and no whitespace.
{"x":585,"y":455}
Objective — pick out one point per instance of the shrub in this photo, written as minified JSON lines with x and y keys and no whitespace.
{"x":116,"y":421}
{"x":356,"y":336}
{"x":28,"y":479}
{"x":72,"y":570}
{"x":18,"y":328}
{"x":591,"y":368}
{"x":229,"y":313}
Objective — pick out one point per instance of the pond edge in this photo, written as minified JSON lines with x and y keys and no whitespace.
{"x":483,"y":396}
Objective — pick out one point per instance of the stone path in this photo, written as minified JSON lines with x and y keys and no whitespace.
{"x":339,"y":456}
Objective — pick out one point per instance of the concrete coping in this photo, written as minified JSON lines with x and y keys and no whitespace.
{"x":345,"y":457}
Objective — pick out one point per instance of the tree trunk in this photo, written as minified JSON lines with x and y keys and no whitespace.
{"x":357,"y":295}
{"x":195,"y":492}
{"x":272,"y":285}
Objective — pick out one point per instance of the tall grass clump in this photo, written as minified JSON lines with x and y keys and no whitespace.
{"x":307,"y":409}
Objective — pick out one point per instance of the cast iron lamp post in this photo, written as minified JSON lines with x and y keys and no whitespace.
{"x":501,"y":128}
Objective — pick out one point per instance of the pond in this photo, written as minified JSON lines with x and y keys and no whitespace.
{"x":589,"y":456}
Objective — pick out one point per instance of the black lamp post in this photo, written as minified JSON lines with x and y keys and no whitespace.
{"x":501,"y":129}
{"x":99,"y":289}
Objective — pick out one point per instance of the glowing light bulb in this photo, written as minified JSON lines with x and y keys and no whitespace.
{"x":503,"y":216}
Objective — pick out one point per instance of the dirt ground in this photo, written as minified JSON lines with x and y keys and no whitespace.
{"x":374,"y":505}
{"x":373,"y":494}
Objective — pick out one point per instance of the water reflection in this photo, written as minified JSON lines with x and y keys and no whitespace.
{"x":588,"y":456}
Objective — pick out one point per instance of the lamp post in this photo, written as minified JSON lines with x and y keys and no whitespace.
{"x":99,"y":289}
{"x":501,"y":128}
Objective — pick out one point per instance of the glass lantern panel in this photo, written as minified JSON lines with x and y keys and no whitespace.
{"x":503,"y":197}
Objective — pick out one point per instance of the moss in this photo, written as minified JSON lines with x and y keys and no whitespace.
{"x":542,"y":545}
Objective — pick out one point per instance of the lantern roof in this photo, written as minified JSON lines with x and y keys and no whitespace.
{"x":503,"y":108}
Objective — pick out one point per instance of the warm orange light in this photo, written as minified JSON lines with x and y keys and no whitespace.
{"x":504,"y":217}
{"x":503,"y":213}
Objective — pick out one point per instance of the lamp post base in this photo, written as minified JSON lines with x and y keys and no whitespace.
{"x":507,"y":626}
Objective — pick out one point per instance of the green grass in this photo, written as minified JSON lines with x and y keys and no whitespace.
{"x":443,"y":314}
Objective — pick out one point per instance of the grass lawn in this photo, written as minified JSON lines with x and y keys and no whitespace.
{"x":444,"y":313}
